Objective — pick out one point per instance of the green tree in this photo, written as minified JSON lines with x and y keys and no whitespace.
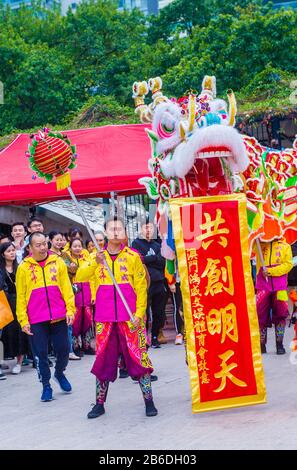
{"x":43,"y":90}
{"x":35,"y":24}
{"x":98,"y":38}
{"x":55,"y":67}
{"x":183,"y":15}
{"x":235,"y":49}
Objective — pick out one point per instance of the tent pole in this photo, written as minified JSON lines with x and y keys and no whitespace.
{"x":81,"y":213}
{"x":260,"y":255}
{"x":113,"y":211}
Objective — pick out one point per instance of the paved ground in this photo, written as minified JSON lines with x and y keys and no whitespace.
{"x":26,"y":423}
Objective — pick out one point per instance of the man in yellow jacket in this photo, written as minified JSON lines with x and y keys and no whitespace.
{"x":45,"y":308}
{"x":115,"y":333}
{"x":271,"y":290}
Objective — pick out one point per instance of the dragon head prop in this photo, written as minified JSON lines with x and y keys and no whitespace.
{"x":196,"y":151}
{"x":195,"y":148}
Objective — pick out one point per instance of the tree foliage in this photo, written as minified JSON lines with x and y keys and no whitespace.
{"x":65,"y":69}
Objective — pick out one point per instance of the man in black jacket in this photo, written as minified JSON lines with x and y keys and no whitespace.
{"x":150,"y":250}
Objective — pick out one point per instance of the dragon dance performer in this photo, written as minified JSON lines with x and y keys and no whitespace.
{"x":271,"y":290}
{"x":116,"y":334}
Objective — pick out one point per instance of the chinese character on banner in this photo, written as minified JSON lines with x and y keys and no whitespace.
{"x":219,"y":302}
{"x":211,"y":230}
{"x":223,"y":322}
{"x":225,"y":372}
{"x":217,"y":276}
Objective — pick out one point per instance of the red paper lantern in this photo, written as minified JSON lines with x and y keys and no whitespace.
{"x":51,"y":155}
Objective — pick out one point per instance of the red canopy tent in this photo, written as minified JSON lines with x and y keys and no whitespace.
{"x":110,"y":159}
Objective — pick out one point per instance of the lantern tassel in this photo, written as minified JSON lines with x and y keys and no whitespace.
{"x":63,"y":181}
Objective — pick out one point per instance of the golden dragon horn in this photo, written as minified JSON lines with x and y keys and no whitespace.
{"x":209,"y":86}
{"x":140,"y":90}
{"x":232,"y":108}
{"x":191,"y":111}
{"x":155,"y":86}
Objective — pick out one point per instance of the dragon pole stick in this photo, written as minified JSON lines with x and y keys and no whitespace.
{"x":81,"y":213}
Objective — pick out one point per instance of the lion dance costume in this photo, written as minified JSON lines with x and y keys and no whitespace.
{"x":197,"y":153}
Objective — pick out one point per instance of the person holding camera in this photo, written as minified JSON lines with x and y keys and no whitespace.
{"x":82,"y":328}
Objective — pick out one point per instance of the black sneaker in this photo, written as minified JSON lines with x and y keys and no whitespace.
{"x":123,"y":374}
{"x":263,"y":348}
{"x":150,"y":409}
{"x":96,"y":411}
{"x":79,"y":352}
{"x":280,"y":349}
{"x":155,"y":343}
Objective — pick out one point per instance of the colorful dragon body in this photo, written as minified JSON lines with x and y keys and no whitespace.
{"x":196,"y":151}
{"x":270,"y":184}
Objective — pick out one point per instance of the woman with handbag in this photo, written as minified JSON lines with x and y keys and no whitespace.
{"x":14,"y":340}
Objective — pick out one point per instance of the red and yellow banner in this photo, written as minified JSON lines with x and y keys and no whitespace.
{"x":223,"y":344}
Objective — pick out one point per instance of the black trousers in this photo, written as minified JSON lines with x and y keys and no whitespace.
{"x":58,"y":334}
{"x":157,"y":298}
{"x":177,"y":304}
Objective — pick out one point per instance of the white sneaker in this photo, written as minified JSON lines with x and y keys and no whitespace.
{"x":179,"y":339}
{"x":16,"y":369}
{"x":74,"y":357}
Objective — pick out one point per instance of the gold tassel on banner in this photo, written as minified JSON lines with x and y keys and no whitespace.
{"x":63,"y":181}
